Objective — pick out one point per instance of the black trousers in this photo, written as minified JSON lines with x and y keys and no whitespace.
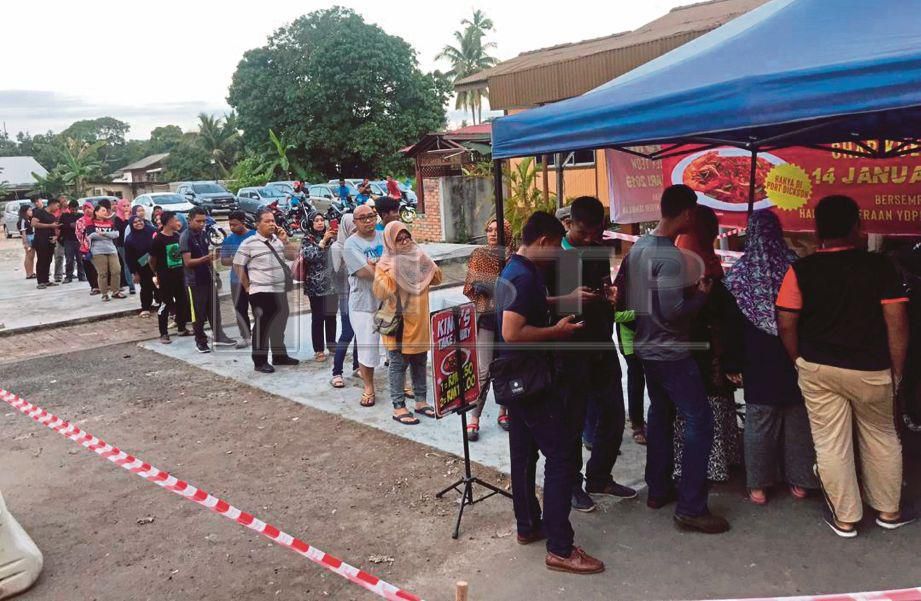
{"x":148,"y":290}
{"x":270,"y":311}
{"x":241,"y":309}
{"x":44,"y":252}
{"x":593,"y":377}
{"x":174,"y":298}
{"x":205,"y":306}
{"x":73,"y":260}
{"x":323,"y":321}
{"x":89,"y":269}
{"x":539,"y":425}
{"x":636,"y":389}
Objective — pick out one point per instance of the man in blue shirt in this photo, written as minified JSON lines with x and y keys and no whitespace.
{"x":238,"y":233}
{"x":538,"y":423}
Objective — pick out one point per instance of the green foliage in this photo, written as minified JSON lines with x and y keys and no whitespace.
{"x":345,"y":94}
{"x":469,"y":55}
{"x":189,"y":160}
{"x":50,"y":185}
{"x":79,"y":163}
{"x":249,"y":171}
{"x":109,"y":133}
{"x":164,"y":139}
{"x":524,"y":197}
{"x":219,"y":137}
{"x":277,"y":162}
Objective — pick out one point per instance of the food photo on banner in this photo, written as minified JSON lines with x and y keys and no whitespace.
{"x":454,"y":358}
{"x":789,"y":181}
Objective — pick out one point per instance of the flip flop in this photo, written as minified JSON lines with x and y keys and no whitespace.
{"x":427,"y":411}
{"x":407,"y":419}
{"x":473,"y":432}
{"x":337,"y":382}
{"x":367,"y":400}
{"x":503,"y":422}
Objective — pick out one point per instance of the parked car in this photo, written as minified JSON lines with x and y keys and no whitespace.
{"x":168,"y":200}
{"x":210,"y":196}
{"x":250,"y":200}
{"x":94,"y":200}
{"x":11,"y":216}
{"x":287,"y":186}
{"x":408,"y":193}
{"x":352,"y":185}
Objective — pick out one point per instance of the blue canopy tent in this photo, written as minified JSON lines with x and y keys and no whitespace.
{"x":789,"y":73}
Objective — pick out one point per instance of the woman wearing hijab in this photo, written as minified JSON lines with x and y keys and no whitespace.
{"x":341,"y":283}
{"x":483,"y":269}
{"x":778,"y":441}
{"x":88,"y":268}
{"x":706,"y":334}
{"x":402,"y":280}
{"x":120,"y":221}
{"x":318,"y":285}
{"x":138,"y":237}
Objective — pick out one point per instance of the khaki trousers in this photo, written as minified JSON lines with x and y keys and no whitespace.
{"x":836,"y":400}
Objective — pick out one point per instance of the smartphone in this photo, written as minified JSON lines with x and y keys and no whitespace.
{"x":334,"y":224}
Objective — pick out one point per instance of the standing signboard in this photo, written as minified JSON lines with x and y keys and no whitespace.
{"x":454,"y":358}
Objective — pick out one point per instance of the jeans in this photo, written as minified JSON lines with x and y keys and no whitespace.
{"x":636,"y":388}
{"x":205,"y":305}
{"x":676,"y":386}
{"x":241,"y":309}
{"x":323,"y":321}
{"x":73,"y":260}
{"x":345,"y":338}
{"x":537,"y":424}
{"x":173,"y":299}
{"x":593,"y":379}
{"x":59,"y":260}
{"x":44,"y":251}
{"x":126,"y":279}
{"x":270,"y":310}
{"x":398,"y":364}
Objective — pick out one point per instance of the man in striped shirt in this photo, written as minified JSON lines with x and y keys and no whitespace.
{"x":261,"y":269}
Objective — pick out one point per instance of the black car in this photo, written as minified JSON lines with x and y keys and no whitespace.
{"x":210,"y":196}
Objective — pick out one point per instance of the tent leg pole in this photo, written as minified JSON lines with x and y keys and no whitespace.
{"x":751,"y":182}
{"x":559,"y":180}
{"x":546,"y":178}
{"x":500,"y":202}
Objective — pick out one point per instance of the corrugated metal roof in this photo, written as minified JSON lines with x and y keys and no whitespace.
{"x":17,"y":171}
{"x":551,"y":74}
{"x":145,"y":162}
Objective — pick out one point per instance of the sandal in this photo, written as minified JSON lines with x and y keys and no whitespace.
{"x":119,"y":294}
{"x":144,"y":314}
{"x":367,"y":399}
{"x":426,"y":410}
{"x":473,"y":432}
{"x":319,"y":357}
{"x":337,"y":382}
{"x":757,"y":499}
{"x":409,"y":393}
{"x":798,"y":492}
{"x":639,"y":436}
{"x":503,"y":421}
{"x":407,"y":419}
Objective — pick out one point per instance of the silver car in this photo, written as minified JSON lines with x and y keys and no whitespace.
{"x":11,"y":216}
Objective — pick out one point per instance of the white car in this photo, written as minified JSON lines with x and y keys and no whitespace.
{"x":11,"y":216}
{"x":167,"y":200}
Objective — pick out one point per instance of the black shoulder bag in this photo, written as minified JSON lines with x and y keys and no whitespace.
{"x":521,"y":376}
{"x":289,"y":278}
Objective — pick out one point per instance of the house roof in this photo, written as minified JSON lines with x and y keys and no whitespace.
{"x":17,"y":171}
{"x":474,"y":137}
{"x":550,"y":74}
{"x":146,"y":162}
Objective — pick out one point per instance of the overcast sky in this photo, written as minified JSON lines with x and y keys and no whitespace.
{"x":155,"y":63}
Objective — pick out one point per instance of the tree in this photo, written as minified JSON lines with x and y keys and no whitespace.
{"x":346,"y":94}
{"x":278,"y":161}
{"x":79,"y":163}
{"x":51,"y":185}
{"x":164,"y":139}
{"x":524,"y":196}
{"x":218,"y":136}
{"x":189,"y":160}
{"x":248,"y":171}
{"x":108,"y":130}
{"x":468,"y":56}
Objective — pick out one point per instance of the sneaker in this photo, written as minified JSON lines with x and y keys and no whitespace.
{"x":285,"y":361}
{"x":905,"y":518}
{"x":52,"y":284}
{"x":41,"y":286}
{"x":266,"y":369}
{"x":582,"y":502}
{"x":185,"y":333}
{"x":612,"y":489}
{"x":708,"y":524}
{"x":165,"y":340}
{"x":105,"y":298}
{"x":202,"y":347}
{"x":578,"y":562}
{"x":828,"y":516}
{"x":242,"y":343}
{"x":225,"y":341}
{"x":68,"y":280}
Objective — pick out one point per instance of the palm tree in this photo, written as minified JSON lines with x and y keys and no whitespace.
{"x":219,"y":136}
{"x":79,"y":163}
{"x":470,"y":55}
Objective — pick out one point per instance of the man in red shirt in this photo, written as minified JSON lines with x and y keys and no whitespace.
{"x":393,"y":188}
{"x":842,"y":316}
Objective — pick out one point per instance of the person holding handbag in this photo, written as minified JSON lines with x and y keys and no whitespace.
{"x":266,"y":277}
{"x":318,"y":284}
{"x":401,"y":281}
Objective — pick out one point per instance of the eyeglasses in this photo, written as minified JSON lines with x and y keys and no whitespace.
{"x":366,"y":218}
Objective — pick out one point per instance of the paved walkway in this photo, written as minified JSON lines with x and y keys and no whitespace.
{"x":308,"y":384}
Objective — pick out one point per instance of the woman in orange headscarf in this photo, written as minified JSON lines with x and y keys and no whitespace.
{"x":483,"y":270}
{"x":402,"y":280}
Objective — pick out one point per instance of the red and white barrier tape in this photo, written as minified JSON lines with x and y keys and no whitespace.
{"x":908,"y":594}
{"x":191,"y":493}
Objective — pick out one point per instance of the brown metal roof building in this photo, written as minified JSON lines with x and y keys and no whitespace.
{"x":551,"y":74}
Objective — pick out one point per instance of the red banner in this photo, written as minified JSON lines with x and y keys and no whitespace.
{"x":791,"y":181}
{"x":454,"y":359}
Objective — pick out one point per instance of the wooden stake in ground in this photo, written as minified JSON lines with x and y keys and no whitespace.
{"x":461,"y":593}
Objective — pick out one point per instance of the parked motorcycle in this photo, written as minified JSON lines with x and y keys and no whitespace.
{"x":407,"y":210}
{"x":215,"y":233}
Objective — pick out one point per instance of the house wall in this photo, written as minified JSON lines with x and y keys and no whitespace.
{"x":427,"y":227}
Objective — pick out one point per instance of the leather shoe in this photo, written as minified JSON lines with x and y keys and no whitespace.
{"x":660,"y":502}
{"x":285,"y":361}
{"x":708,"y":524}
{"x":578,"y":562}
{"x":536,"y":536}
{"x":266,"y":369}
